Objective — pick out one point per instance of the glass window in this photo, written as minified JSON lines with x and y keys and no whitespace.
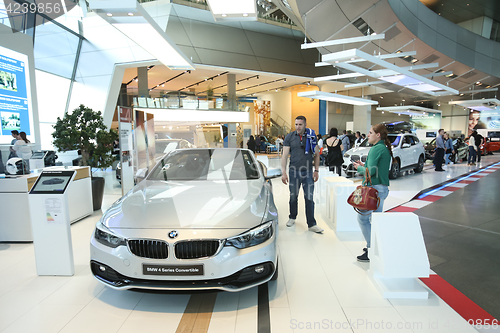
{"x":394,"y":139}
{"x":409,"y":139}
{"x":206,"y":164}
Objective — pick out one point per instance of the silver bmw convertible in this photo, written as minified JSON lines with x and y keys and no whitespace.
{"x":202,"y":219}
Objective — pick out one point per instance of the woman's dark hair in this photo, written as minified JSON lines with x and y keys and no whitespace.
{"x":382,"y":130}
{"x":334,"y":132}
{"x":23,"y":136}
{"x":251,"y":138}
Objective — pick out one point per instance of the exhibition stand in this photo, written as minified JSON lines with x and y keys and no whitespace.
{"x":49,"y":209}
{"x":394,"y":269}
{"x":334,"y":192}
{"x":15,"y":225}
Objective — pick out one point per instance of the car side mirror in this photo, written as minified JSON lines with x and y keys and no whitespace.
{"x":406,"y":145}
{"x":141,"y":175}
{"x":273,"y":173}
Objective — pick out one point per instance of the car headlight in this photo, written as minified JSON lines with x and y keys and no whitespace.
{"x":104,"y":236}
{"x":252,"y":237}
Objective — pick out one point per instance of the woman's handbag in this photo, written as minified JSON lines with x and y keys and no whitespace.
{"x":364,"y":197}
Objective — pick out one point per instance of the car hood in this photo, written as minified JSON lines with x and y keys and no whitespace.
{"x":358,"y":151}
{"x":238,"y":204}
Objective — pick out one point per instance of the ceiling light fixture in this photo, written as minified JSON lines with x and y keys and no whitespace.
{"x":326,"y":96}
{"x":157,"y":43}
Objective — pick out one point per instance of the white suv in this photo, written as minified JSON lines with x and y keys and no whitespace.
{"x":407,"y":149}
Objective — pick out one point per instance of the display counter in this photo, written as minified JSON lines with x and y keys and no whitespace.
{"x":15,"y":222}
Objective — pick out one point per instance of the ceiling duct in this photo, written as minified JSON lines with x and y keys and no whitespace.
{"x":362,"y":26}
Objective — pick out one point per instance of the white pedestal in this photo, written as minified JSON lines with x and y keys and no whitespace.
{"x":334,"y":192}
{"x":344,"y":216}
{"x":398,"y":255}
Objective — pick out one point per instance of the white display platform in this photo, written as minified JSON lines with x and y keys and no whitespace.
{"x":15,"y":224}
{"x":334,"y":192}
{"x":398,"y":255}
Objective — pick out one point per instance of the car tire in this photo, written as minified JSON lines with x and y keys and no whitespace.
{"x":420,"y":166}
{"x":275,"y":275}
{"x":394,"y":172}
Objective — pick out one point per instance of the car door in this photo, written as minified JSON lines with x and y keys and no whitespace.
{"x":407,"y":151}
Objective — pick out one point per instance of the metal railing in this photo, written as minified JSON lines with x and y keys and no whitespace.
{"x":179,"y":100}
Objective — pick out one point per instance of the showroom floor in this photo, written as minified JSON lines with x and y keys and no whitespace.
{"x":321,"y":287}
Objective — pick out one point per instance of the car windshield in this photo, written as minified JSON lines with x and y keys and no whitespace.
{"x":365,"y":143}
{"x":164,"y":146}
{"x":394,"y":139}
{"x":206,"y":164}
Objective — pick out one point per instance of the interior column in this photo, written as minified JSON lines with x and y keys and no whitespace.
{"x":232,"y":106}
{"x":362,"y":118}
{"x":142,"y":84}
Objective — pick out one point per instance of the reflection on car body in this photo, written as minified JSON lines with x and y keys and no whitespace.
{"x":202,"y":219}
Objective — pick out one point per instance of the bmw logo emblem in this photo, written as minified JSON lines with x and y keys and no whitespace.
{"x":172,"y":234}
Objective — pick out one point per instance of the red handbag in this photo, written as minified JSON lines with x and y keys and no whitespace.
{"x":364,"y":197}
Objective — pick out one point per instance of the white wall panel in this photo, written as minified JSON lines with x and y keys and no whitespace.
{"x":281,"y":104}
{"x":52,"y":92}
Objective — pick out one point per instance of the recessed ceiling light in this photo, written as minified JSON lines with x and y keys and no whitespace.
{"x":224,"y":15}
{"x":109,"y":14}
{"x":414,"y":60}
{"x":382,"y":111}
{"x":382,"y":97}
{"x":245,"y":15}
{"x":478,"y":82}
{"x":130,"y":14}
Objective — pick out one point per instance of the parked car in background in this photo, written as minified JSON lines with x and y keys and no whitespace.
{"x":408,"y":152}
{"x":459,"y":145}
{"x":491,"y":145}
{"x":266,"y":145}
{"x":202,"y":219}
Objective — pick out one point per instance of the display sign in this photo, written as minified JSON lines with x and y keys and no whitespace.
{"x":486,"y":119}
{"x":52,"y":182}
{"x":172,"y":270}
{"x":15,"y":95}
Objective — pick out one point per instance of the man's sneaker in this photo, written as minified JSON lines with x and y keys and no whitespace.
{"x":316,"y":229}
{"x":363,"y":257}
{"x":290,"y":222}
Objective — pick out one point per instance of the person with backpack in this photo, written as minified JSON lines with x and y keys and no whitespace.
{"x":346,"y":144}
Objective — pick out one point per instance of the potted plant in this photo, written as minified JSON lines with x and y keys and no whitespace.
{"x":84,"y":130}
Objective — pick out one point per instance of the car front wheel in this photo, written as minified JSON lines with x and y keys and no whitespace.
{"x":420,"y":166}
{"x":394,"y":173}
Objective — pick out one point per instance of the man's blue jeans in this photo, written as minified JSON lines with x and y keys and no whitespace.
{"x":365,"y":221}
{"x":304,"y":178}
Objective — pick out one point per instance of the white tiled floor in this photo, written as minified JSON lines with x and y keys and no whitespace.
{"x":320,"y":284}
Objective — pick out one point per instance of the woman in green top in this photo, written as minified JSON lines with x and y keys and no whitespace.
{"x":378,"y":164}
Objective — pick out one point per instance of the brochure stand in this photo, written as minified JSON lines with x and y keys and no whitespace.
{"x":49,"y":210}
